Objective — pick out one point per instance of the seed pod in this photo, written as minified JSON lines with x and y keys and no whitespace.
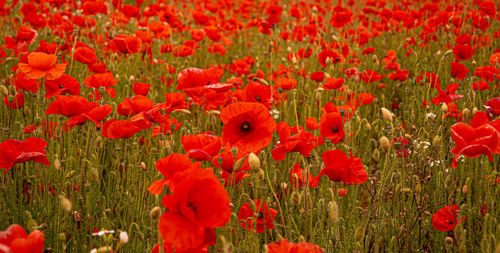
{"x":155,"y":213}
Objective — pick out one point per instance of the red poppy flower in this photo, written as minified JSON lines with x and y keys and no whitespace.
{"x":174,"y":100}
{"x":463,"y":52}
{"x":493,"y":107}
{"x":14,"y":102}
{"x":446,"y":218}
{"x":257,"y":93}
{"x":193,"y":81}
{"x":284,"y":246}
{"x":94,"y":7}
{"x":318,"y":76}
{"x":15,"y":151}
{"x":69,"y":106}
{"x":168,"y":167}
{"x":15,"y":239}
{"x":117,"y":129}
{"x":65,"y":84}
{"x":98,"y":114}
{"x":302,"y":141}
{"x":286,"y":83}
{"x":331,"y":125}
{"x":340,"y":168}
{"x":201,"y":147}
{"x":85,"y":55}
{"x":366,"y":98}
{"x":247,"y":126}
{"x":341,"y":17}
{"x":448,"y":95}
{"x":370,"y":76}
{"x":126,"y":44}
{"x":312,"y":123}
{"x":488,"y":73}
{"x":26,"y":34}
{"x":329,"y":56}
{"x":333,"y":83}
{"x":257,"y":220}
{"x":129,"y":107}
{"x":400,"y":75}
{"x":141,"y":88}
{"x":458,"y":70}
{"x":479,"y":138}
{"x":42,"y":65}
{"x":23,"y":83}
{"x":185,"y":236}
{"x":428,"y":78}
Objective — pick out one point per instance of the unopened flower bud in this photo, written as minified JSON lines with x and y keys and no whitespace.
{"x":376,"y":155}
{"x":384,"y":143}
{"x":449,"y":241}
{"x":358,"y":235}
{"x":155,"y":213}
{"x":253,"y":161}
{"x":436,"y":142}
{"x":386,"y":114}
{"x":65,"y":203}
{"x":444,"y":108}
{"x":333,"y":211}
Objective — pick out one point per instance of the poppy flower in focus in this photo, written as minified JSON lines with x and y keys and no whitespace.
{"x":85,"y":55}
{"x":201,"y":147}
{"x":340,"y":168}
{"x":331,"y":125}
{"x":65,"y":84}
{"x":302,"y":141}
{"x":446,"y":218}
{"x":26,"y":34}
{"x":168,"y":166}
{"x":247,"y":126}
{"x":15,"y":151}
{"x":258,"y":220}
{"x":479,"y":138}
{"x":23,"y":83}
{"x":15,"y":239}
{"x":258,"y":93}
{"x":493,"y":107}
{"x":42,"y":65}
{"x":141,"y":88}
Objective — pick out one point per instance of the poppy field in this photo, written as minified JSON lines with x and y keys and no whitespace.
{"x":249,"y":126}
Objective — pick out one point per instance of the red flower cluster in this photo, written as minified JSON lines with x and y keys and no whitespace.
{"x":15,"y":240}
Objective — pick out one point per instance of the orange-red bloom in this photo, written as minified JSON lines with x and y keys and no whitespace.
{"x":248,"y":126}
{"x":15,"y":151}
{"x":42,"y":65}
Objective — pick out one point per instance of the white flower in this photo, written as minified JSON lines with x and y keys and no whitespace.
{"x":275,"y":113}
{"x":123,"y":236}
{"x":431,"y":115}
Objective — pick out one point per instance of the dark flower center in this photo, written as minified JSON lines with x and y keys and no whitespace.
{"x":245,"y":126}
{"x":191,"y":206}
{"x":257,"y":98}
{"x":335,"y":129}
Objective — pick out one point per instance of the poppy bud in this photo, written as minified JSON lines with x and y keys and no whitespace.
{"x":214,"y":112}
{"x":465,"y":189}
{"x":335,"y":38}
{"x":253,"y":161}
{"x":183,"y":111}
{"x":384,"y":143}
{"x":143,"y":165}
{"x":376,"y":155}
{"x":26,"y":111}
{"x":57,"y":163}
{"x":333,"y":211}
{"x":358,"y":235}
{"x":367,"y":126}
{"x":32,"y":225}
{"x":4,"y":91}
{"x":238,"y":164}
{"x":474,"y":110}
{"x":102,"y":90}
{"x":65,"y":203}
{"x":374,"y":58}
{"x":386,"y":114}
{"x":261,"y":175}
{"x":444,"y":108}
{"x":294,"y":59}
{"x":155,"y":213}
{"x":448,"y":52}
{"x":449,"y":241}
{"x":436,"y":141}
{"x":474,"y":63}
{"x":132,"y":78}
{"x":61,"y":236}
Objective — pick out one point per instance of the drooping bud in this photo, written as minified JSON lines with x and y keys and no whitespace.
{"x":385,"y":143}
{"x":253,"y":161}
{"x":155,"y":213}
{"x":65,"y":203}
{"x":333,"y":211}
{"x":386,"y":114}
